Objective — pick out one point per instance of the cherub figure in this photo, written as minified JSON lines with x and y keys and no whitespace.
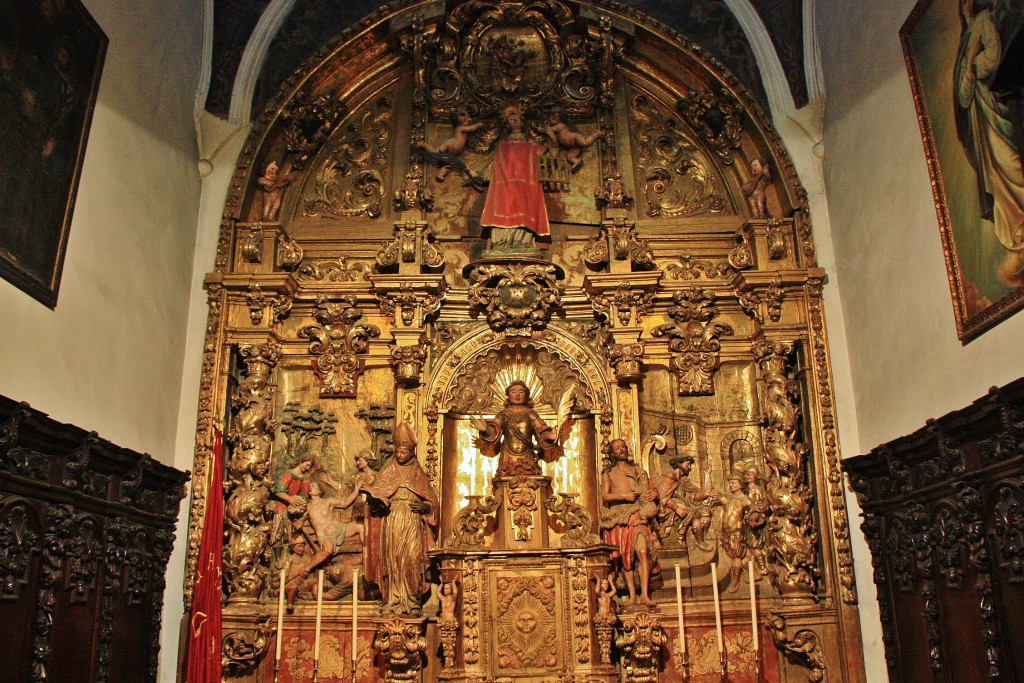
{"x":572,"y":142}
{"x":754,"y":189}
{"x":446,"y":155}
{"x":271,"y":183}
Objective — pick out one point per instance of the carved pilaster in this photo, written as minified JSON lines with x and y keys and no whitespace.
{"x":337,"y":342}
{"x":251,"y":438}
{"x":693,"y":340}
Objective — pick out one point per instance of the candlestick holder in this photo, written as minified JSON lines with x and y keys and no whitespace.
{"x":277,"y":669}
{"x":725,"y":666}
{"x":684,"y":668}
{"x":316,"y":670}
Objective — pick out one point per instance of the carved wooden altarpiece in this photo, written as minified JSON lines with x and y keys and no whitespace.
{"x":658,"y":311}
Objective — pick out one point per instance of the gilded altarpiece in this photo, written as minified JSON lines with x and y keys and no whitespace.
{"x":671,"y":299}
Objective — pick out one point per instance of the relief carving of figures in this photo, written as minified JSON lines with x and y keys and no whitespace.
{"x":399,"y":537}
{"x":685,"y":507}
{"x":629,"y":508}
{"x":251,"y":438}
{"x":693,"y":339}
{"x":739,"y":516}
{"x":349,"y":180}
{"x":677,"y":178}
{"x":337,"y":342}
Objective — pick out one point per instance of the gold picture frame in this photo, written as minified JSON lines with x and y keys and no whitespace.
{"x":961,"y":55}
{"x":51,"y":57}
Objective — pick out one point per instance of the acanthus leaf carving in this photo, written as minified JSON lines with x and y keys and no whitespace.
{"x":337,"y":343}
{"x":693,"y":338}
{"x":804,"y":646}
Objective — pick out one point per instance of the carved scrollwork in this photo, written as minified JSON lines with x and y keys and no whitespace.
{"x":577,"y":524}
{"x":19,"y":541}
{"x":1008,"y":529}
{"x":689,"y":268}
{"x":803,"y":645}
{"x":627,"y":305}
{"x":717,"y":119}
{"x":412,"y":307}
{"x":308,"y":123}
{"x":742,"y":255}
{"x":626,"y":360}
{"x":750,"y":302}
{"x":349,"y":181}
{"x":471,"y":611}
{"x":345,"y":269}
{"x":289,"y":252}
{"x":413,"y":242}
{"x":337,"y":342}
{"x":515,"y":297}
{"x":280,"y":304}
{"x":402,"y":647}
{"x":774,"y":296}
{"x":617,"y":240}
{"x":473,"y":523}
{"x":677,"y":179}
{"x":776,"y":239}
{"x":641,"y":641}
{"x":412,"y":196}
{"x":693,"y":339}
{"x":251,"y":245}
{"x":241,"y":651}
{"x":523,"y":493}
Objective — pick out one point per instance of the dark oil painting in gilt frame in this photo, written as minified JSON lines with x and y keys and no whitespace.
{"x":51,"y":56}
{"x":966,"y":63}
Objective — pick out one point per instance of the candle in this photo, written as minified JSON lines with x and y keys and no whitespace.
{"x":355,"y":616}
{"x":679,"y":614}
{"x":319,"y":610}
{"x":280,"y":619}
{"x":718,"y":606}
{"x":753,"y":604}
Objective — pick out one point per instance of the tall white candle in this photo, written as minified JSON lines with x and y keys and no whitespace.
{"x":679,"y":614}
{"x":280,"y":619}
{"x":753,"y":604}
{"x":355,"y":616}
{"x":319,"y":610}
{"x":718,"y":606}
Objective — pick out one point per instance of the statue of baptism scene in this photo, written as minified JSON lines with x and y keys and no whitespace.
{"x":519,"y":354}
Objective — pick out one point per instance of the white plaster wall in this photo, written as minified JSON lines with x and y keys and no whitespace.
{"x":906,"y":361}
{"x":109,"y":358}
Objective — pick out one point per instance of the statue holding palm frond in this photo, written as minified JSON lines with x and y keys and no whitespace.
{"x":519,"y":437}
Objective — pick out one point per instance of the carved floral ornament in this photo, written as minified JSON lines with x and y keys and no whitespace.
{"x":337,"y":342}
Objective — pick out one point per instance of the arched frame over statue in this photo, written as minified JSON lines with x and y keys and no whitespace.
{"x":567,"y":249}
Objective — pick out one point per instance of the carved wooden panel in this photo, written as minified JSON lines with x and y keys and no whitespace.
{"x":944,"y":518}
{"x":86,"y":529}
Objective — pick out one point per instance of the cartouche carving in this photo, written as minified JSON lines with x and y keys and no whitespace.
{"x":802,"y":645}
{"x":641,"y":641}
{"x":515,"y":297}
{"x":677,"y":180}
{"x":251,"y":438}
{"x":337,"y":342}
{"x":522,"y":503}
{"x":717,"y":119}
{"x":402,"y":647}
{"x":349,"y":181}
{"x":693,"y":339}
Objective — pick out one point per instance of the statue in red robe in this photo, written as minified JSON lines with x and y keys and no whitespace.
{"x":514,"y":209}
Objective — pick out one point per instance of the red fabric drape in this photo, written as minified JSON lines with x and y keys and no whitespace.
{"x":204,"y":632}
